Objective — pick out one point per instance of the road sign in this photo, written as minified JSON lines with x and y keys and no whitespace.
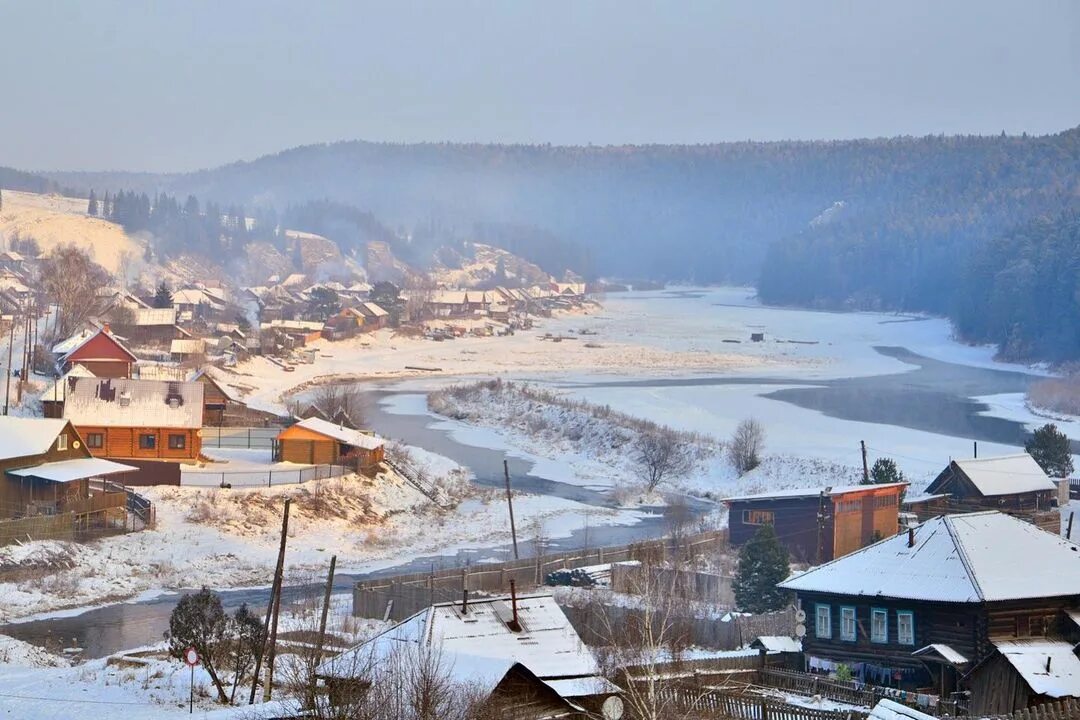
{"x":191,"y":657}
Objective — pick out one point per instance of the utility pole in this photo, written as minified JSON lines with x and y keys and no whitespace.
{"x":275,"y":590}
{"x":865,"y":469}
{"x":11,"y":345}
{"x":325,"y":609}
{"x":1068,"y":531}
{"x":510,"y":504}
{"x":975,"y":449}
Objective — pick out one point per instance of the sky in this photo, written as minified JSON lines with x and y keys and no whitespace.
{"x":176,"y":85}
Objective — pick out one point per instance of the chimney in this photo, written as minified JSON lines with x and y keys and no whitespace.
{"x":105,"y":327}
{"x":911,"y":537}
{"x":1047,"y":663}
{"x":465,"y":601}
{"x":514,"y":626}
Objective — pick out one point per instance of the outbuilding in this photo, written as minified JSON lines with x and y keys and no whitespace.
{"x":317,"y":441}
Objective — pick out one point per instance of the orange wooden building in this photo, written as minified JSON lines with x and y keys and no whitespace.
{"x":819,"y":524}
{"x":99,"y":351}
{"x":142,"y":419}
{"x":316,"y":441}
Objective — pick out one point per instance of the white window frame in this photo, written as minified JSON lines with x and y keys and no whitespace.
{"x":875,"y":636}
{"x":822,"y":629}
{"x":61,"y":442}
{"x":901,"y":638}
{"x":848,"y":615}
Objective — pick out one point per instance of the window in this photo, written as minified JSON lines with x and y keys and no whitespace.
{"x":757,"y":517}
{"x":177,"y":442}
{"x":847,"y":624}
{"x":147,"y":441}
{"x":879,"y":625}
{"x":61,"y":441}
{"x":905,"y":627}
{"x":823,"y":621}
{"x":95,"y":441}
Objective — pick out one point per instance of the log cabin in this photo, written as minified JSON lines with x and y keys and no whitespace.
{"x":138,"y":419}
{"x":930,"y":608}
{"x":46,"y":469}
{"x":521,"y":653}
{"x":819,"y":524}
{"x":1009,"y":483}
{"x":316,"y":441}
{"x":221,"y":400}
{"x":98,"y":350}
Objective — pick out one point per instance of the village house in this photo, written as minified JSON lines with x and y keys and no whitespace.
{"x":977,"y":601}
{"x":222,"y":400}
{"x":299,"y":332}
{"x":46,"y":470}
{"x":148,"y":326}
{"x":317,"y":441}
{"x":187,"y":350}
{"x":1013,"y":484}
{"x":12,"y":261}
{"x":97,"y":350}
{"x":140,"y":419}
{"x":521,"y":654}
{"x":818,"y":525}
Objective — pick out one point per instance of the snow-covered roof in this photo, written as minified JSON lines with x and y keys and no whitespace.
{"x":1029,"y":657}
{"x":222,"y":379}
{"x":945,"y":652}
{"x":977,"y":557}
{"x":341,"y":434}
{"x":582,"y":687}
{"x":68,"y":347}
{"x":547,"y":644}
{"x":449,"y":297}
{"x":1005,"y":475}
{"x":815,"y":492}
{"x":187,"y":346}
{"x":891,"y":710}
{"x":372,"y":310}
{"x":57,"y":390}
{"x":295,"y":325}
{"x":155,"y":316}
{"x":68,"y":470}
{"x":191,"y":296}
{"x":21,"y":436}
{"x":777,"y":643}
{"x":120,"y":402}
{"x":293,"y":280}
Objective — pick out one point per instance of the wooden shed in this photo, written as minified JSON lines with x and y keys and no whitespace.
{"x":819,"y":524}
{"x":316,"y":441}
{"x":1009,"y":483}
{"x":148,"y":419}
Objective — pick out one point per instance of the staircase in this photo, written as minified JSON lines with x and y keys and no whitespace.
{"x":426,"y":488}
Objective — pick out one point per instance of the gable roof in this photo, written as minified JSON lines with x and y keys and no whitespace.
{"x":155,"y":316}
{"x":339,"y":433}
{"x":120,"y":402}
{"x":977,"y":557}
{"x":547,"y":645}
{"x":1004,"y":475}
{"x":22,"y":437}
{"x":66,"y":348}
{"x":57,"y":390}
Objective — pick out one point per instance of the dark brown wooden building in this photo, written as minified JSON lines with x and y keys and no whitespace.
{"x":1010,"y":483}
{"x":929,"y":607}
{"x":819,"y":524}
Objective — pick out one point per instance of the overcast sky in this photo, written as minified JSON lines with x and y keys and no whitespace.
{"x":178,"y":85}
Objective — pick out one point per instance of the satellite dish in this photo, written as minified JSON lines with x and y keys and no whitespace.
{"x":612,"y":709}
{"x":800,"y":631}
{"x":800,"y":616}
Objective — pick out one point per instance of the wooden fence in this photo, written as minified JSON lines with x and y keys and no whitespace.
{"x":745,"y":706}
{"x":38,"y":527}
{"x":396,"y":598}
{"x":689,"y":584}
{"x":1067,"y":709}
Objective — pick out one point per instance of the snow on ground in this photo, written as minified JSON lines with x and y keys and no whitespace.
{"x":229,"y":538}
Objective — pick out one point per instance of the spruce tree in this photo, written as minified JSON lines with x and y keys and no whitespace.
{"x":92,"y":206}
{"x":163,"y":297}
{"x":1051,"y":449}
{"x":763,"y":562}
{"x":885,"y":471}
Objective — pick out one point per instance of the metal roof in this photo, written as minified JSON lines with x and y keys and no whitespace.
{"x":890,"y":710}
{"x":120,"y":402}
{"x":1005,"y":475}
{"x":22,"y":437}
{"x":68,"y":470}
{"x":340,"y":433}
{"x":815,"y":492}
{"x":977,"y":557}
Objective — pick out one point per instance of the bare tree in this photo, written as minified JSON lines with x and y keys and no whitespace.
{"x":335,"y":399}
{"x":662,"y":456}
{"x":420,"y":290}
{"x":746,"y":446}
{"x":71,"y":280}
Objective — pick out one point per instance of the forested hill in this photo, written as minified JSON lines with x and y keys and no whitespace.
{"x":704,"y":213}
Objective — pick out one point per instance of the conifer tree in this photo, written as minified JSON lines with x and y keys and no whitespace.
{"x":92,"y":206}
{"x":763,"y":562}
{"x":885,"y":471}
{"x":163,"y":297}
{"x":1051,"y":449}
